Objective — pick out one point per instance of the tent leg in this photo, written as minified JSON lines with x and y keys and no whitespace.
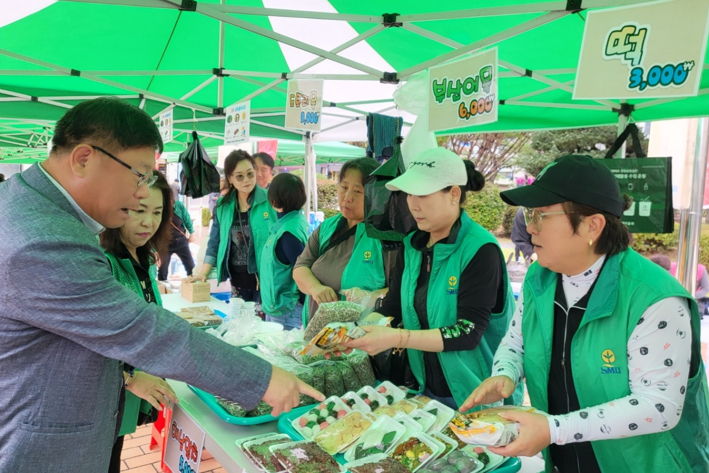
{"x":622,"y":123}
{"x":688,"y":248}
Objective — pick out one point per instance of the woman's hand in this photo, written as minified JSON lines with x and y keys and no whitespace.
{"x":151,"y":388}
{"x":491,"y":390}
{"x":197,"y":278}
{"x":534,"y":435}
{"x":377,"y":340}
{"x":322,"y":294}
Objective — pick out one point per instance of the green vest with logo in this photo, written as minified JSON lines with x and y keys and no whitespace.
{"x":261,"y":217}
{"x":279,"y":293}
{"x":626,"y":287}
{"x":124,"y":273}
{"x":366,"y":266}
{"x":463,"y":370}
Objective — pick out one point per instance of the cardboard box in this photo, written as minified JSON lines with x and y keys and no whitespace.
{"x":162,"y":289}
{"x":195,"y":292}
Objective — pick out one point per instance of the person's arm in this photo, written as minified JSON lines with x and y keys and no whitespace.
{"x":304,"y":277}
{"x":210,"y":257}
{"x":288,"y":249}
{"x":658,"y":370}
{"x":184,"y":215}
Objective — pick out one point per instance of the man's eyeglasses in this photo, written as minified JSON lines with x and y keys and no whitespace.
{"x":240,"y":177}
{"x":535,"y":217}
{"x":143,"y":179}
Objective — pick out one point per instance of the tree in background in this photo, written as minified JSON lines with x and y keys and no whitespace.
{"x":489,"y":151}
{"x":546,"y":146}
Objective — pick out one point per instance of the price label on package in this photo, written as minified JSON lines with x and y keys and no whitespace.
{"x":185,"y":441}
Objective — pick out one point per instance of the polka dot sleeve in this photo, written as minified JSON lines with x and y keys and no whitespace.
{"x":659,"y":352}
{"x":509,"y":357}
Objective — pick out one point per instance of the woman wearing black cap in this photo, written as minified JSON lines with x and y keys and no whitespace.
{"x":608,"y":341}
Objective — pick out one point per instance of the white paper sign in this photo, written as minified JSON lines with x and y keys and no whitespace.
{"x":185,"y":441}
{"x":463,"y":93}
{"x":304,"y":105}
{"x":236,"y":123}
{"x":644,"y":51}
{"x":165,"y":126}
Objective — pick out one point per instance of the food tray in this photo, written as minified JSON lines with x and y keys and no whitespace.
{"x":383,"y":427}
{"x":211,"y":402}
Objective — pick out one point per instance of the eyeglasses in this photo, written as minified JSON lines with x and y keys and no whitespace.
{"x":241,"y":177}
{"x":143,"y":179}
{"x":535,"y":217}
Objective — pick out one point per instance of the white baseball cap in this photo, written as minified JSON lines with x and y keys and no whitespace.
{"x":431,"y":171}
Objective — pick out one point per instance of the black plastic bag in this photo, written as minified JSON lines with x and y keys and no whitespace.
{"x":386,"y":213}
{"x":199,"y":175}
{"x":395,"y":368}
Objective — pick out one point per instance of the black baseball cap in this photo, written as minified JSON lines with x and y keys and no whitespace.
{"x":572,"y":178}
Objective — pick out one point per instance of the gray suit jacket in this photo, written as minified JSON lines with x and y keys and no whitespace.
{"x":64,"y":321}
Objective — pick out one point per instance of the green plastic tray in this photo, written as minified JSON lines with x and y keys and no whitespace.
{"x":212,"y":403}
{"x":512,"y":465}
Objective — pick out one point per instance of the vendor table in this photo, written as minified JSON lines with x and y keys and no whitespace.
{"x":175,"y":302}
{"x":221,"y":437}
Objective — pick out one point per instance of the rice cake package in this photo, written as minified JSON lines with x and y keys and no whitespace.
{"x":486,"y":427}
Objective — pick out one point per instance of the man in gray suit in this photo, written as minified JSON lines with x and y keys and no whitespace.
{"x":64,"y":320}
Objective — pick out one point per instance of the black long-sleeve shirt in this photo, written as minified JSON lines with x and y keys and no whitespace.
{"x":480,"y":293}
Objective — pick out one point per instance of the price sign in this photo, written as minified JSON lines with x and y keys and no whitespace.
{"x":304,"y":105}
{"x":644,"y":51}
{"x":463,"y":93}
{"x":236,"y":123}
{"x":165,"y":126}
{"x":185,"y":441}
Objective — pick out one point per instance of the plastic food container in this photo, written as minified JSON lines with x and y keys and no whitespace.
{"x":412,"y":427}
{"x":379,"y":463}
{"x":443,"y":414}
{"x":416,"y":451}
{"x":342,"y":433}
{"x":486,"y":427}
{"x":423,"y":418}
{"x":355,"y":403}
{"x":257,"y":449}
{"x":381,"y":437}
{"x":320,"y":417}
{"x":456,"y":462}
{"x":304,"y":457}
{"x":400,"y":406}
{"x":447,"y":442}
{"x":390,"y":392}
{"x":372,"y":397}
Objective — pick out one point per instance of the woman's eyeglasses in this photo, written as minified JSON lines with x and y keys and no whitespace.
{"x":240,"y":177}
{"x":535,"y":217}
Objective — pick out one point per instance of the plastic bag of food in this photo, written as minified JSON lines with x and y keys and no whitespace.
{"x":232,"y":408}
{"x":329,"y":312}
{"x":359,"y":296}
{"x":319,"y":377}
{"x":486,"y":427}
{"x":294,"y":349}
{"x":362,"y":367}
{"x":305,"y":457}
{"x":349,"y":378}
{"x":334,"y":384}
{"x":331,"y":337}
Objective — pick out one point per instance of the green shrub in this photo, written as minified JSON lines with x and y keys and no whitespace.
{"x":649,"y":243}
{"x":206,"y":217}
{"x":329,"y":212}
{"x":486,"y":207}
{"x":327,"y":196}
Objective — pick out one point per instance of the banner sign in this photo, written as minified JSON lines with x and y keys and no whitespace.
{"x":644,"y":51}
{"x":649,"y":182}
{"x":463,"y":93}
{"x":185,"y":441}
{"x":236,"y":123}
{"x":165,"y":126}
{"x":304,"y":104}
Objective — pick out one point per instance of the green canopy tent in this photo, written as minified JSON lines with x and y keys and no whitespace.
{"x":292,"y":153}
{"x":197,"y":57}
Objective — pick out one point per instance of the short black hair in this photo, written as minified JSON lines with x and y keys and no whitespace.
{"x":266,"y":158}
{"x":614,"y":238}
{"x":107,"y":122}
{"x":365,"y":166}
{"x":287,"y":192}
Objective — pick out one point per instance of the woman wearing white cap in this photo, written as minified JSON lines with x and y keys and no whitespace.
{"x":449,"y":286}
{"x":608,"y":341}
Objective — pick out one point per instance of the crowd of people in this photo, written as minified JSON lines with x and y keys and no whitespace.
{"x":606,"y":341}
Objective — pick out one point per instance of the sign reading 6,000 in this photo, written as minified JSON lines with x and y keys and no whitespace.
{"x":309,"y":118}
{"x":477,"y":107}
{"x":665,"y":76}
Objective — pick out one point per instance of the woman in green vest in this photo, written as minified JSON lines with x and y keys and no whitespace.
{"x":241,"y":225}
{"x":607,"y":340}
{"x":339,"y":255}
{"x":282,"y":302}
{"x":450,"y":284}
{"x":131,"y":250}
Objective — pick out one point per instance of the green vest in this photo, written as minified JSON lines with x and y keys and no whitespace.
{"x":626,"y":287}
{"x":366,"y":266}
{"x":279,"y":293}
{"x":124,"y":273}
{"x":261,"y":217}
{"x":463,"y":370}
